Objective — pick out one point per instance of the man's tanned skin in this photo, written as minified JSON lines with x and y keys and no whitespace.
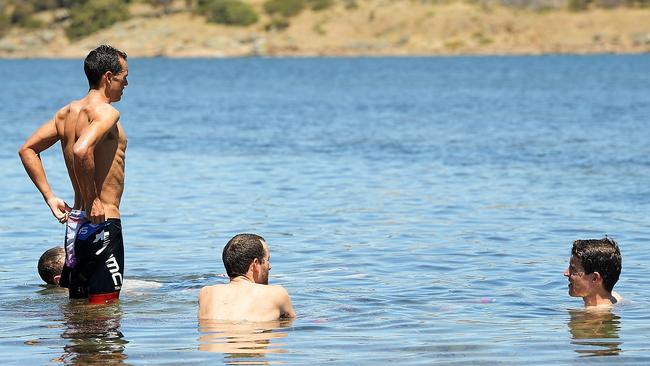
{"x":100,"y":148}
{"x":248,"y":296}
{"x":94,"y":145}
{"x":43,"y":138}
{"x":84,"y":148}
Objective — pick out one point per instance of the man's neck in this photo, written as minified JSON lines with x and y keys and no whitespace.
{"x":242,"y":279}
{"x":598,"y":299}
{"x":98,"y":95}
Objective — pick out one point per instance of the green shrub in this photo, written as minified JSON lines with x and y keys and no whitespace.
{"x":22,"y":16}
{"x":317,"y":5}
{"x":230,"y":12}
{"x":40,"y":5}
{"x":578,"y":5}
{"x":71,"y":3}
{"x":351,"y":4}
{"x":286,"y":8}
{"x":165,"y":5}
{"x":5,"y":22}
{"x":95,"y":15}
{"x":277,"y":24}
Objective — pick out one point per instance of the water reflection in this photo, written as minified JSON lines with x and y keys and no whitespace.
{"x":93,"y":334}
{"x":243,"y":343}
{"x":595,"y":332}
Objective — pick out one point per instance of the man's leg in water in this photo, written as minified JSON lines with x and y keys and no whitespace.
{"x":106,"y":281}
{"x":100,"y":257}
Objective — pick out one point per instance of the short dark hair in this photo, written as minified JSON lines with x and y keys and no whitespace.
{"x":240,"y":252}
{"x":51,"y":264}
{"x":101,"y":59}
{"x":602,"y":256}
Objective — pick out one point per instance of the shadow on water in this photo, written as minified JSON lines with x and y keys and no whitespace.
{"x":595,"y":332}
{"x":92,"y":334}
{"x":243,"y":343}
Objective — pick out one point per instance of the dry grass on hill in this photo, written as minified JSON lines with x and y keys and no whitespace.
{"x":376,"y":27}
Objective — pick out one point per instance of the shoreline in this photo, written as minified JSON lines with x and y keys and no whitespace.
{"x":387,"y":56}
{"x":378,"y":29}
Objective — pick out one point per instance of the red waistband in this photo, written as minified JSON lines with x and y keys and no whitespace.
{"x":103,"y":298}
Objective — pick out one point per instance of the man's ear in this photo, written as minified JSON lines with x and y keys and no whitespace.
{"x":56,"y":279}
{"x":597,"y":278}
{"x":108,"y":75}
{"x":255,"y":264}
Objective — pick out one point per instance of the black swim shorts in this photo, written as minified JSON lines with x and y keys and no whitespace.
{"x":99,"y":250}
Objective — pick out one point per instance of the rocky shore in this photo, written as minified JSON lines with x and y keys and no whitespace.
{"x":375,"y":28}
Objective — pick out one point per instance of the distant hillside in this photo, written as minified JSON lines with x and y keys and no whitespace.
{"x":148,"y":28}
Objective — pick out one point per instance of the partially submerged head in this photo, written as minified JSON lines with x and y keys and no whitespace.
{"x":106,"y":69}
{"x":594,"y":268}
{"x":50,"y":265}
{"x":247,"y":255}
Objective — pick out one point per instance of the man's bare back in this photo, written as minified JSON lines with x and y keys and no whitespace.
{"x":67,"y":142}
{"x":88,"y":129}
{"x":99,"y":157}
{"x":75,"y":119}
{"x":243,"y":300}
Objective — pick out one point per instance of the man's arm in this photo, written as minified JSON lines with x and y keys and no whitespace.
{"x":103,"y":119}
{"x":44,"y":137}
{"x":284,"y":302}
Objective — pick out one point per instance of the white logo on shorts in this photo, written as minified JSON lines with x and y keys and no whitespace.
{"x":114,"y":268}
{"x":102,"y":236}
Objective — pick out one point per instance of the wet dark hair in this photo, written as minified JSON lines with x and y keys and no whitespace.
{"x":240,"y":252}
{"x":602,"y":256}
{"x":51,"y":264}
{"x":100,"y":60}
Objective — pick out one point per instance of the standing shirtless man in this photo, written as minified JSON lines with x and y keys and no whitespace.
{"x":94,"y":146}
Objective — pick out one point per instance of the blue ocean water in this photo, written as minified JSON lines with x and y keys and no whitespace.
{"x":418,"y":210}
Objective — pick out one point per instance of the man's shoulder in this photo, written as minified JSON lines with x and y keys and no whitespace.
{"x":210,"y":288}
{"x":100,"y":107}
{"x":277,"y":288}
{"x":73,"y":107}
{"x":277,"y":291}
{"x":206,"y":292}
{"x":99,"y":110}
{"x":76,"y":105}
{"x":63,"y":112}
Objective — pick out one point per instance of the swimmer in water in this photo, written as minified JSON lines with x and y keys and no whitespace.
{"x":50,"y":265}
{"x":594,"y":268}
{"x":248,"y":295}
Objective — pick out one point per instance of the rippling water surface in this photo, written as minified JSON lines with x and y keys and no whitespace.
{"x":418,"y":210}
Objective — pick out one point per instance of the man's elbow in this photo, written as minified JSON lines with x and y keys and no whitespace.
{"x":24,"y":152}
{"x":79,"y":152}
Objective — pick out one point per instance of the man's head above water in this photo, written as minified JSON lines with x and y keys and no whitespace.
{"x":50,"y":265}
{"x":247,"y":255}
{"x":594,"y":269}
